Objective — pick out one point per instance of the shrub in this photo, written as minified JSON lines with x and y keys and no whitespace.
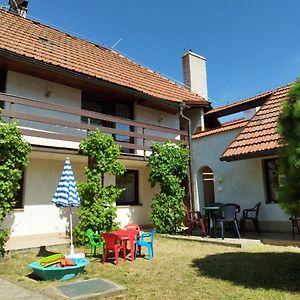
{"x":289,"y":155}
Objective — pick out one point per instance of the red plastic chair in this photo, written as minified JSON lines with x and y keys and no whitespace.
{"x":134,"y":227}
{"x":113,"y":243}
{"x":193,"y":218}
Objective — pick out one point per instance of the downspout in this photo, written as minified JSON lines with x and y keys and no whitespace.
{"x":190,"y":184}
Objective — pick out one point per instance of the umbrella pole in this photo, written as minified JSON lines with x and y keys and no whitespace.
{"x":71,"y":232}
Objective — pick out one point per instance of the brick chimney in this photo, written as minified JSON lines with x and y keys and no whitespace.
{"x":194,"y":73}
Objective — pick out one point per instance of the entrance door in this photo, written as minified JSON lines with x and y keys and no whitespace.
{"x":208,"y":185}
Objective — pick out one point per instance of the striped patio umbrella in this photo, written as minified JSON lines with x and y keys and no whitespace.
{"x":66,"y":194}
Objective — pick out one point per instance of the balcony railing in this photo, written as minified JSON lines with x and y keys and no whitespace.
{"x":58,"y":122}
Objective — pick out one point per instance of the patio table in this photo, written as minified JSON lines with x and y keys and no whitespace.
{"x":210,"y":210}
{"x":127,"y":235}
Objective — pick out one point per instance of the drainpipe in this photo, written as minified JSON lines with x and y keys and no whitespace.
{"x":190,"y":184}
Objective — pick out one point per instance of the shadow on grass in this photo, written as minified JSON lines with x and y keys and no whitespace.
{"x":44,"y":252}
{"x":278,"y":271}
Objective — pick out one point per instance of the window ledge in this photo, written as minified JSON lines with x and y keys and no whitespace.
{"x":18,"y":209}
{"x":128,"y":205}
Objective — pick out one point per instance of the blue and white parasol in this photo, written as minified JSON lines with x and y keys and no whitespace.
{"x":66,"y":194}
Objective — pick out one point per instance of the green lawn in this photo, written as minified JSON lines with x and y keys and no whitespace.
{"x":188,"y":270}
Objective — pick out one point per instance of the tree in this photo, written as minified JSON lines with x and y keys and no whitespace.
{"x":14,"y":151}
{"x":98,"y":203}
{"x":289,"y":154}
{"x":168,"y":167}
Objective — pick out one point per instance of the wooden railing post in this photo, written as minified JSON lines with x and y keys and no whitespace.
{"x":88,"y":130}
{"x":143,"y":131}
{"x":11,"y":107}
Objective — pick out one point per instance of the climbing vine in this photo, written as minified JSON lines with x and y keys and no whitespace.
{"x":14,"y":151}
{"x":168,"y":165}
{"x":98,"y":203}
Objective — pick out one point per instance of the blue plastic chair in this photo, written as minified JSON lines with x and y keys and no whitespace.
{"x":143,"y":240}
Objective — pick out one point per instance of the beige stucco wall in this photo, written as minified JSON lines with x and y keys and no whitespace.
{"x":138,"y":214}
{"x":39,"y":215}
{"x":155,"y":117}
{"x":39,"y":89}
{"x":239,"y":181}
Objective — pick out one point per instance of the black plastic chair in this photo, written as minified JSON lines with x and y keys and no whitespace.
{"x":226,"y":214}
{"x":251,"y":214}
{"x":295,"y":224}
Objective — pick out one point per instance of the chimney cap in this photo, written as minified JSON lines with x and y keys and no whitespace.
{"x":190,"y":52}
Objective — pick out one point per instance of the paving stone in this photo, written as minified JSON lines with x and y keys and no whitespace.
{"x":12,"y":291}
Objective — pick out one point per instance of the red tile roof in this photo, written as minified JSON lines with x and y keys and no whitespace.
{"x":260,"y":136}
{"x":37,"y":41}
{"x":225,"y":127}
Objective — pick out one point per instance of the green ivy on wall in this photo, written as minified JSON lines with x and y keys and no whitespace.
{"x":14,"y":152}
{"x":168,"y":165}
{"x":98,"y":203}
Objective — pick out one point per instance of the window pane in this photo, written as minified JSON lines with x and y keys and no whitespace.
{"x":129,"y":181}
{"x":92,"y":105}
{"x":2,"y":85}
{"x":271,"y":180}
{"x":124,"y":110}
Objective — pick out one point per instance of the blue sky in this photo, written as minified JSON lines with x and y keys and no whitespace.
{"x":250,"y":46}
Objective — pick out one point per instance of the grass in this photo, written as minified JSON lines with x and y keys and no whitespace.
{"x":187,"y":270}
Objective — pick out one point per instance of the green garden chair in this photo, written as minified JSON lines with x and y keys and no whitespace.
{"x":95,"y":241}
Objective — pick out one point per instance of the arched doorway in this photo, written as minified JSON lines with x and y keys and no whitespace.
{"x":208,"y":185}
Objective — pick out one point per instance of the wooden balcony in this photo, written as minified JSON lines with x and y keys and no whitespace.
{"x":61,"y":123}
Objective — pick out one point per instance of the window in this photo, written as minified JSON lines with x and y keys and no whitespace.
{"x":123,"y":110}
{"x":94,"y":105}
{"x":129,"y":181}
{"x":271,"y":180}
{"x":19,"y":197}
{"x":119,"y":109}
{"x":2,"y":85}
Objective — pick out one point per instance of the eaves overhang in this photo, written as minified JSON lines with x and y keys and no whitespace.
{"x":244,"y":156}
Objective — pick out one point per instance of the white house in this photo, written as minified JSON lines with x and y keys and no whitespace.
{"x":236,"y":161}
{"x":60,"y":87}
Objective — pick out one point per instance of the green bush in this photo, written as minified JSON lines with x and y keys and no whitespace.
{"x":168,"y":167}
{"x":14,"y":153}
{"x":289,"y":155}
{"x":98,"y":203}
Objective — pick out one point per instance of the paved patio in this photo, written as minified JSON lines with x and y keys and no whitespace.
{"x":11,"y":291}
{"x":249,"y":240}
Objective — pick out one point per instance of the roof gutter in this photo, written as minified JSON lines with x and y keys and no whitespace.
{"x":93,"y":80}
